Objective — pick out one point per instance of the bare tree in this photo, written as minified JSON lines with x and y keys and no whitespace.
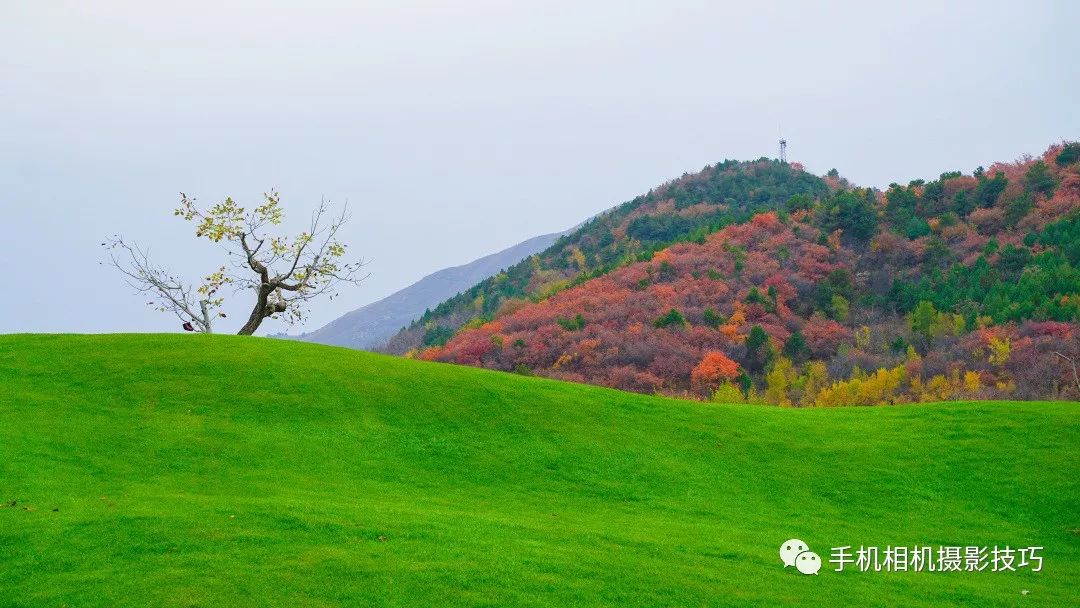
{"x":1072,"y":362}
{"x":192,"y":306}
{"x":284,"y":273}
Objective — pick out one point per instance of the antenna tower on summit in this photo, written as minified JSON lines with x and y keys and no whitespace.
{"x":783,"y":150}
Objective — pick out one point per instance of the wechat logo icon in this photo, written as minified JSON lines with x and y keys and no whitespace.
{"x":797,"y":553}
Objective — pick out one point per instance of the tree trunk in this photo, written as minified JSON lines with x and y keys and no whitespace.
{"x":263,"y":308}
{"x":258,"y":313}
{"x":204,"y":306}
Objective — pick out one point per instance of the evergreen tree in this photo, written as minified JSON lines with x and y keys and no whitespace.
{"x":759,"y":352}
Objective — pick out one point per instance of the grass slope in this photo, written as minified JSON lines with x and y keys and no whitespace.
{"x":222,"y":471}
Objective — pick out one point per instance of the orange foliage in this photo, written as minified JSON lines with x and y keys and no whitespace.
{"x":714,"y":368}
{"x":429,"y":354}
{"x":766,"y":221}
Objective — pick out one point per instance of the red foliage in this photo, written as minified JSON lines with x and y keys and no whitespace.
{"x":472,"y":346}
{"x":988,"y":221}
{"x":964,"y":183}
{"x":619,"y":344}
{"x":1065,"y":200}
{"x":824,"y":336}
{"x":1057,"y":329}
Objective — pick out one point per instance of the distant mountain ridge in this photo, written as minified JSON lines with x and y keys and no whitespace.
{"x":370,"y":326}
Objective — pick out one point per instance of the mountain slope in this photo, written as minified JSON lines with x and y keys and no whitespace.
{"x":967,"y":286}
{"x":228,"y":471}
{"x":684,"y":209}
{"x":370,"y":326}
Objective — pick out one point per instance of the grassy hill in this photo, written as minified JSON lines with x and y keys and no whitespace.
{"x":221,"y":471}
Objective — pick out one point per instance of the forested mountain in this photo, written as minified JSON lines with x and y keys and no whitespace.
{"x":966,"y":286}
{"x":370,"y":326}
{"x":686,"y":209}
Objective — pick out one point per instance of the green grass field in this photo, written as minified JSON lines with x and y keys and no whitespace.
{"x":221,"y":471}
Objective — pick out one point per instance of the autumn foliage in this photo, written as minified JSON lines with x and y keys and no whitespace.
{"x":963,"y":287}
{"x":713,"y":369}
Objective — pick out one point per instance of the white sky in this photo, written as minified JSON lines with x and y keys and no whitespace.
{"x":455,"y":129}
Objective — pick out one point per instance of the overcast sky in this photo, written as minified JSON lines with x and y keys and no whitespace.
{"x":455,"y":129}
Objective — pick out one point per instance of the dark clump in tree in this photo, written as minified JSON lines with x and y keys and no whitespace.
{"x":923,"y":320}
{"x":759,"y":351}
{"x":1070,"y":153}
{"x":853,"y":212}
{"x":712,"y":318}
{"x":671,"y":318}
{"x":438,"y":335}
{"x":796,"y":349}
{"x":1038,"y":179}
{"x":578,"y":322}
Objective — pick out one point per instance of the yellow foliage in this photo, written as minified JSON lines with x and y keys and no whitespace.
{"x":738,"y":317}
{"x":728,"y":393}
{"x":972,"y":382}
{"x":862,"y":337}
{"x":815,"y":378}
{"x":735,"y":321}
{"x":550,"y":288}
{"x":941,"y":388}
{"x":912,"y":356}
{"x":834,"y":239}
{"x":999,"y":351}
{"x":579,"y":258}
{"x":562,"y":361}
{"x":915,"y":387}
{"x":958,"y":325}
{"x":778,"y":381}
{"x":937,"y":389}
{"x":881,"y":387}
{"x":755,"y":397}
{"x":841,"y":308}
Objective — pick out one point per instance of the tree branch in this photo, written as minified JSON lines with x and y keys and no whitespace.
{"x":1072,"y":362}
{"x":142,"y":275}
